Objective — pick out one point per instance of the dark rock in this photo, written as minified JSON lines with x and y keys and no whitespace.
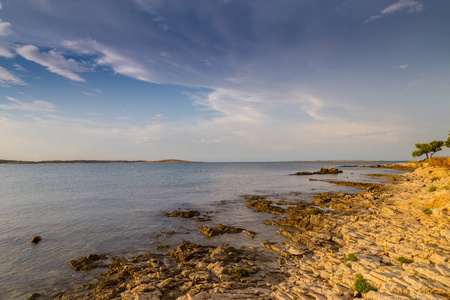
{"x":87,"y":262}
{"x":34,"y":296}
{"x":36,"y":239}
{"x":330,"y":170}
{"x":183,"y":214}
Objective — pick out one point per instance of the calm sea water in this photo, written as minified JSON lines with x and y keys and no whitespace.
{"x":80,"y":209}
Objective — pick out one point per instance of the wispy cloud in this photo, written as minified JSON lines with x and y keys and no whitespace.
{"x":7,"y":79}
{"x":18,"y":67}
{"x":409,"y":6}
{"x":111,"y":58}
{"x":123,"y":65}
{"x":401,"y":66}
{"x":54,"y":61}
{"x":35,"y":106}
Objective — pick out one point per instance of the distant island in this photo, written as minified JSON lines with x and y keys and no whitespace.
{"x":334,"y":160}
{"x":19,"y":162}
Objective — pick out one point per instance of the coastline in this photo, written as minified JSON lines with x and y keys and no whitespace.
{"x":164,"y":161}
{"x":311,"y":263}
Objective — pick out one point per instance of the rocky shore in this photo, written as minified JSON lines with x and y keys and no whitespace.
{"x":390,"y":241}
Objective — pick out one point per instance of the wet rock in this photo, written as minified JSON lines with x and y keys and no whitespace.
{"x":221,"y":229}
{"x":87,"y":262}
{"x":260,"y":204}
{"x":202,"y":219}
{"x":183,"y":214}
{"x":208,"y":231}
{"x":34,"y":296}
{"x":330,"y":170}
{"x":36,"y":239}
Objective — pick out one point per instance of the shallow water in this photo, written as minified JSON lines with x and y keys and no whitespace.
{"x":80,"y":209}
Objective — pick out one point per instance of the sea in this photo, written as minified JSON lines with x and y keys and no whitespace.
{"x":118,"y":209}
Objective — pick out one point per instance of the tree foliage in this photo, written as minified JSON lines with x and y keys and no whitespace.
{"x":428,"y":148}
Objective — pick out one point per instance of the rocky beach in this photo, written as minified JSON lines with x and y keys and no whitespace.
{"x":389,"y":241}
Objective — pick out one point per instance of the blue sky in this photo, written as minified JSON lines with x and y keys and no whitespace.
{"x":223,"y":80}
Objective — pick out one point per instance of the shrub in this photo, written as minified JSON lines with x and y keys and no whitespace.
{"x":350,"y":256}
{"x":361,"y":285}
{"x":348,"y":265}
{"x":432,"y":189}
{"x":404,"y":260}
{"x":239,"y":272}
{"x":427,"y":211}
{"x":315,"y":211}
{"x":435,"y":178}
{"x":440,"y":162}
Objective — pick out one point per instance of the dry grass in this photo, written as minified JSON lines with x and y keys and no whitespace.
{"x":443,"y":162}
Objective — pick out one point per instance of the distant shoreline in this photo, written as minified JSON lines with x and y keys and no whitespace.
{"x":20,"y":162}
{"x":335,"y":160}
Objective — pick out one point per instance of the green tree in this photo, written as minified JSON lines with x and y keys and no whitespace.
{"x":447,"y":143}
{"x":428,"y":148}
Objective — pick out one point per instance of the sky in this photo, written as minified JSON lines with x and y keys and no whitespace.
{"x":223,"y":80}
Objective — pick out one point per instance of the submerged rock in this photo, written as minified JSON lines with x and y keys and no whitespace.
{"x":183,"y":214}
{"x":86,"y":263}
{"x":260,"y":204}
{"x":36,"y":239}
{"x":34,"y":296}
{"x":222,"y":229}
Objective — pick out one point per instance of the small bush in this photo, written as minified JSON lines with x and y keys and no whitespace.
{"x":315,"y":211}
{"x":435,"y":178}
{"x":350,"y":256}
{"x":404,"y":260}
{"x":427,"y":211}
{"x":361,"y":285}
{"x":239,"y":272}
{"x":440,"y":162}
{"x":432,"y":189}
{"x":348,"y":265}
{"x":447,"y":187}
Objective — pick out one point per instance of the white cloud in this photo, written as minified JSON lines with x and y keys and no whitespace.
{"x":5,"y":30}
{"x":163,"y":53}
{"x":1,"y":5}
{"x":7,"y":79}
{"x":80,"y":46}
{"x":36,"y":106}
{"x":409,"y":6}
{"x":402,"y":66}
{"x":123,"y":118}
{"x":54,"y":61}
